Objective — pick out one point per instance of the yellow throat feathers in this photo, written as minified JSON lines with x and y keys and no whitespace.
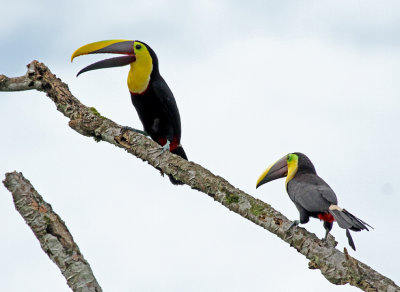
{"x":292,"y":163}
{"x":139,"y":74}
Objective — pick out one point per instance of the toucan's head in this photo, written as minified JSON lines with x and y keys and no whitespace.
{"x":140,"y":56}
{"x":288,"y":166}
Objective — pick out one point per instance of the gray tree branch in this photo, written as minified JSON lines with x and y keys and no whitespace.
{"x":53,"y":235}
{"x":337,"y":267}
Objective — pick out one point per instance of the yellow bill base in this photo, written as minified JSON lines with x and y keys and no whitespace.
{"x":89,"y":48}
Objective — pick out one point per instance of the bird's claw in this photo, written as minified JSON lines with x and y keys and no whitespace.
{"x":163,"y":149}
{"x":166,"y":146}
{"x":295,"y":223}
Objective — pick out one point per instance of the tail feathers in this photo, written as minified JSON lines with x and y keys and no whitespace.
{"x":175,"y":181}
{"x":350,"y":239}
{"x":180,"y":152}
{"x":346,"y":220}
{"x":361,"y":225}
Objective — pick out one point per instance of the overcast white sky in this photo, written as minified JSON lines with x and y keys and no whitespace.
{"x":253,"y":80}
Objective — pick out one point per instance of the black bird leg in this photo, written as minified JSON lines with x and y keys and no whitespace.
{"x":126,"y":128}
{"x":326,"y":234}
{"x":328,"y":228}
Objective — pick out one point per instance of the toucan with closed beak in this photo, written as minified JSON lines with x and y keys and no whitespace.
{"x":312,"y":196}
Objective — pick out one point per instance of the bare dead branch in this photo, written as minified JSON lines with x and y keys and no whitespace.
{"x":20,"y":83}
{"x":337,"y":267}
{"x":52,"y":233}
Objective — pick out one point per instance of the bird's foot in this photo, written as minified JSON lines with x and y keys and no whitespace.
{"x":163,"y":149}
{"x":126,"y":128}
{"x":295,"y":223}
{"x":166,"y":146}
{"x":329,"y":240}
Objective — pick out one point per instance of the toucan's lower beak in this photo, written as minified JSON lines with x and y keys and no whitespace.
{"x":277,"y":170}
{"x":123,"y":47}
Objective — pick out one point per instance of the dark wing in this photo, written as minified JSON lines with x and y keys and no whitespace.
{"x":311,"y":192}
{"x":169,"y":107}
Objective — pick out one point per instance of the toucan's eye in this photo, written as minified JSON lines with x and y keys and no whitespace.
{"x":288,"y":157}
{"x":138,"y":47}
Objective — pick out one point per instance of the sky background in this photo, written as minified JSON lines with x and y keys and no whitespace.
{"x":254,"y":80}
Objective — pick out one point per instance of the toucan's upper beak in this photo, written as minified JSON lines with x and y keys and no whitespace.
{"x":277,"y":170}
{"x":123,"y":47}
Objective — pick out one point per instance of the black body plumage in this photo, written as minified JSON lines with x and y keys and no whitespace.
{"x":150,"y":94}
{"x":158,"y":112}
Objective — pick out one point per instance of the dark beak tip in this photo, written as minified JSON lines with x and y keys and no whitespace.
{"x":109,"y":63}
{"x":260,"y":184}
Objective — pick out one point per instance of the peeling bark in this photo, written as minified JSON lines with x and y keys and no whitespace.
{"x":52,"y":233}
{"x":337,"y":267}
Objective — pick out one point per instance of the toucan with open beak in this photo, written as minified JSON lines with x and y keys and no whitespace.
{"x":150,"y":94}
{"x":311,"y":194}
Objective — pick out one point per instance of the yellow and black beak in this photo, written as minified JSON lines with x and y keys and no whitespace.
{"x":123,"y":47}
{"x":277,"y":170}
